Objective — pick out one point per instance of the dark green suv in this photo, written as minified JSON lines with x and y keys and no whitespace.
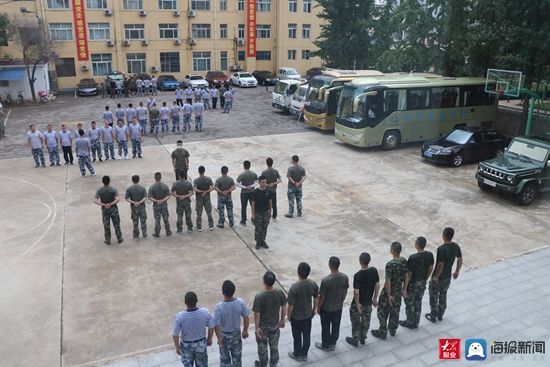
{"x":522,"y":171}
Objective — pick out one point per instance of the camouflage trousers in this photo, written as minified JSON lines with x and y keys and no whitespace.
{"x":154,"y":126}
{"x":225,"y":202}
{"x":200,"y":204}
{"x":159,"y":211}
{"x":175,"y":124}
{"x":388,"y":316}
{"x":109,"y":150}
{"x":184,"y":206}
{"x":360,"y":322}
{"x":261,"y":221}
{"x":194,"y":354}
{"x":54,"y":154}
{"x":270,"y":336}
{"x":96,"y":148}
{"x":108,"y":215}
{"x":38,"y":155}
{"x":413,"y":302}
{"x":186,"y":122}
{"x":164,"y":126}
{"x":438,"y":296}
{"x":143,"y":124}
{"x":294,"y":193}
{"x":136,"y":147}
{"x":231,"y":352}
{"x":123,"y":148}
{"x":83,"y":163}
{"x":139,"y":215}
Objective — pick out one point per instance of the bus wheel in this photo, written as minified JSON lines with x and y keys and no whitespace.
{"x":391,"y":140}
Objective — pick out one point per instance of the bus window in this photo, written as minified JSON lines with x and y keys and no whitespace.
{"x":475,"y":95}
{"x":418,"y":99}
{"x":394,"y":100}
{"x":445,"y":97}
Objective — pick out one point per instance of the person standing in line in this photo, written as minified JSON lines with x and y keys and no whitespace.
{"x":203,"y":186}
{"x":247,"y":181}
{"x":136,"y":195}
{"x":154,"y":119}
{"x":221,"y":92}
{"x":130,"y":114}
{"x":82,"y":147}
{"x":102,"y":90}
{"x":389,"y":302}
{"x":198,"y":109}
{"x":224,"y":186}
{"x":334,"y":288}
{"x":180,"y":159}
{"x":121,"y":135}
{"x":108,"y":115}
{"x":441,"y":277}
{"x":296,"y":175}
{"x":150,"y":102}
{"x":189,"y":94}
{"x":301,"y":311}
{"x":77,"y":131}
{"x":187,"y":111}
{"x":179,"y":96}
{"x":228,"y":101}
{"x":134,"y":130}
{"x":189,"y":333}
{"x":261,"y":212}
{"x":112,"y":86}
{"x":51,"y":142}
{"x":147,"y":86}
{"x":142,"y":113}
{"x":273,"y":179}
{"x":66,"y":144}
{"x":154,"y":85}
{"x":159,"y":194}
{"x":175,"y":117}
{"x":366,"y":285}
{"x":94,"y":134}
{"x":107,"y":198}
{"x":139,"y":86}
{"x":227,"y":317}
{"x":133,"y":87}
{"x":107,"y":140}
{"x":206,"y":98}
{"x":182,"y":190}
{"x":118,"y":87}
{"x":214,"y":95}
{"x":126,"y":88}
{"x":164,"y":117}
{"x":269,"y":315}
{"x":198,"y":93}
{"x":120,"y":113}
{"x":419,"y":266}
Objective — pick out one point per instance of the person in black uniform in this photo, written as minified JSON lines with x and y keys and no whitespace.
{"x":261,"y":212}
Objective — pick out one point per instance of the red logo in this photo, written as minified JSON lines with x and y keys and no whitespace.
{"x":449,"y":349}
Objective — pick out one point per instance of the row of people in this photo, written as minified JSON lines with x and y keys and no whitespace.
{"x":194,"y":328}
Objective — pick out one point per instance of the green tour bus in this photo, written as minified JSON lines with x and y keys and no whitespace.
{"x":401,"y":109}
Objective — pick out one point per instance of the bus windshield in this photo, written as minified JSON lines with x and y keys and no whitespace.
{"x":346,"y":110}
{"x":315,"y":104}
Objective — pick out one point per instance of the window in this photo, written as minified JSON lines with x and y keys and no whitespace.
{"x":292,"y":30}
{"x":61,"y":31}
{"x":293,"y":6}
{"x":200,"y":31}
{"x":134,"y":31}
{"x":307,"y":6}
{"x":418,"y":99}
{"x":263,"y":55}
{"x":201,"y":61}
{"x":306,"y":31}
{"x":133,"y":4}
{"x":167,"y":4}
{"x":240,"y":31}
{"x":58,"y":4}
{"x":169,"y":31}
{"x":3,"y":37}
{"x":292,"y":54}
{"x":64,"y":67}
{"x":102,"y":64}
{"x":223,"y":4}
{"x":96,"y":4}
{"x":395,"y":100}
{"x":444,"y":97}
{"x":136,"y":63}
{"x":241,"y":56}
{"x":200,"y":4}
{"x":170,"y":62}
{"x":305,"y":54}
{"x":98,"y":31}
{"x":223,"y":60}
{"x":263,"y":31}
{"x":263,"y":5}
{"x":475,"y":95}
{"x":223,"y":30}
{"x":240,"y":5}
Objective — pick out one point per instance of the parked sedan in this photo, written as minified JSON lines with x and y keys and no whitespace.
{"x":216,"y":78}
{"x":244,"y":79}
{"x":87,"y":87}
{"x":167,"y":82}
{"x":465,"y":145}
{"x":265,"y":77}
{"x":195,"y":81}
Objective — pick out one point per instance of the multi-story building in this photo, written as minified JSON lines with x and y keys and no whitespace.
{"x":178,"y":37}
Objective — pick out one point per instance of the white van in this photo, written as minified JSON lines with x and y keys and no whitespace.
{"x":299,"y":99}
{"x":288,"y":73}
{"x":283,"y":92}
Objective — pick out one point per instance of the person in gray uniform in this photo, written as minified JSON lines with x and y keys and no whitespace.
{"x":35,"y":141}
{"x":50,"y":138}
{"x":134,"y":130}
{"x":121,"y":135}
{"x":107,"y":139}
{"x":83,"y":146}
{"x":94,"y":134}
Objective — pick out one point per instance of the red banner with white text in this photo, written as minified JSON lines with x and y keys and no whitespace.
{"x":251,"y":35}
{"x":79,"y":17}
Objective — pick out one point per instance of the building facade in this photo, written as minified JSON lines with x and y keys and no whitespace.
{"x":178,"y":37}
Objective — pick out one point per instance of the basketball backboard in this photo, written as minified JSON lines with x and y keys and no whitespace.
{"x":504,"y":82}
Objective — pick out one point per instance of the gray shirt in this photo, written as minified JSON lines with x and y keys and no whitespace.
{"x":268,"y":305}
{"x":271,"y":175}
{"x":130,"y":114}
{"x":187,"y":109}
{"x":141,"y":113}
{"x":247,"y":178}
{"x":107,"y":134}
{"x":296,"y":172}
{"x":65,"y":137}
{"x":120,"y":114}
{"x":135,"y":131}
{"x":82,"y":146}
{"x":333,"y":288}
{"x":164,"y":113}
{"x":224,"y":183}
{"x":35,"y":139}
{"x":121,"y":132}
{"x":175,"y":111}
{"x":93,"y":134}
{"x":51,"y":138}
{"x":301,"y":295}
{"x":198,"y":107}
{"x":136,"y":192}
{"x":108,"y":115}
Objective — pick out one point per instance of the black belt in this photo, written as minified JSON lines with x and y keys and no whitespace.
{"x":193,"y":341}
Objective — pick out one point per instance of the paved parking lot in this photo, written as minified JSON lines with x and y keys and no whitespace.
{"x":88,"y":303}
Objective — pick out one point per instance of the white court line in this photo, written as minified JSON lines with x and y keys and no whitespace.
{"x":17,"y":258}
{"x":36,"y":226}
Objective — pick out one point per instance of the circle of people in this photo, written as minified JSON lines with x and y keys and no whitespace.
{"x":194,"y":327}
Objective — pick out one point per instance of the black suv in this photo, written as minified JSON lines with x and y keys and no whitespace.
{"x":522,"y":171}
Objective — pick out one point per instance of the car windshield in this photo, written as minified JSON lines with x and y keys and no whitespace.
{"x":195,"y":77}
{"x":268,"y":74}
{"x":168,"y":77}
{"x":459,"y":136}
{"x":300,"y":93}
{"x":530,"y":151}
{"x":246,"y":75}
{"x":281,"y":88}
{"x":291,"y":72}
{"x":218,"y":74}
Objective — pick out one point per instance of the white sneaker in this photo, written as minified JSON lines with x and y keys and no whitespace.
{"x":119,"y":158}
{"x":93,"y":174}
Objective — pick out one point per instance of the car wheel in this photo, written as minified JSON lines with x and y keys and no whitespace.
{"x":527,"y":195}
{"x":484,"y":187}
{"x":240,"y":85}
{"x":391,"y":140}
{"x":458,"y":159}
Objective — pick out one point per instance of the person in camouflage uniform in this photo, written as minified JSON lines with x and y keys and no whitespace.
{"x":182,"y":190}
{"x":389,"y":302}
{"x":224,"y":186}
{"x":159,"y":194}
{"x":420,"y":266}
{"x":94,"y":135}
{"x":273,"y":179}
{"x":261,"y":212}
{"x":136,"y":195}
{"x":203,"y":186}
{"x":107,"y":198}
